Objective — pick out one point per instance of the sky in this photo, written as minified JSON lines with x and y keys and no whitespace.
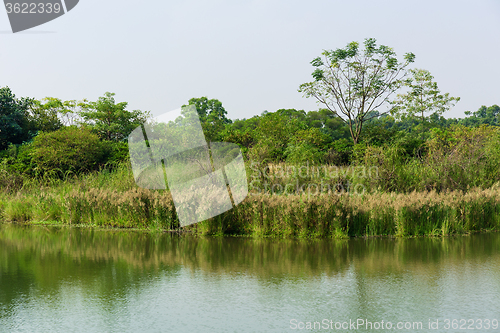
{"x":250,"y":55}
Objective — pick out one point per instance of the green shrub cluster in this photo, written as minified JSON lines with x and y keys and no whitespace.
{"x":59,"y":154}
{"x":455,"y":159}
{"x":70,"y":150}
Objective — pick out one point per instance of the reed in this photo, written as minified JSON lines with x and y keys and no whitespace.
{"x":111,"y":199}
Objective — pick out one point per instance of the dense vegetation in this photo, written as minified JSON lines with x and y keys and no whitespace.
{"x":296,"y":161}
{"x":408,"y":154}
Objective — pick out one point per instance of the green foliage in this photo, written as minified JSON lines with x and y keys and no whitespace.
{"x":273,"y":134}
{"x":244,"y":139}
{"x":208,"y":107}
{"x":14,"y":125}
{"x":118,"y":152}
{"x":484,"y":115}
{"x":320,"y":119}
{"x":340,"y":152}
{"x":462,"y":157}
{"x":423,"y":97}
{"x":411,"y":145}
{"x":212,"y":115}
{"x":302,"y":153}
{"x":311,"y":136}
{"x":307,"y":146}
{"x":43,"y":116}
{"x":110,"y":120}
{"x":101,"y":200}
{"x":67,"y":111}
{"x":457,"y":158}
{"x":9,"y":181}
{"x":292,"y":114}
{"x":20,"y":159}
{"x":352,"y":84}
{"x":379,"y":131}
{"x":393,"y":171}
{"x":67,"y":151}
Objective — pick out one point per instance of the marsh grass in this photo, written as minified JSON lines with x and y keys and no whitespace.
{"x":111,"y":199}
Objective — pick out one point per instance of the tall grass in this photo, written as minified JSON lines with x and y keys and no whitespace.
{"x":112,"y":199}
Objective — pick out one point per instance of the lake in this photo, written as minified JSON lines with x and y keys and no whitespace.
{"x":61,"y":279}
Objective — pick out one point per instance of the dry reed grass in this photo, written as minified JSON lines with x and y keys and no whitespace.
{"x":323,"y":215}
{"x":113,"y":200}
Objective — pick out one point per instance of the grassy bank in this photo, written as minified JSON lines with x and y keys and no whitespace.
{"x":112,"y":199}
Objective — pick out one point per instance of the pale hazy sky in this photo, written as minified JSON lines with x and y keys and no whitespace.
{"x":251,"y":55}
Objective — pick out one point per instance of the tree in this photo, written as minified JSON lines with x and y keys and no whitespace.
{"x":67,"y":112}
{"x":274,"y":132}
{"x":307,"y":145}
{"x":44,"y":115}
{"x":423,"y":97}
{"x":484,"y":115}
{"x":213,"y":116}
{"x":13,"y":118}
{"x":110,"y":120}
{"x":352,"y":83}
{"x":293,"y":114}
{"x":206,"y":106}
{"x":320,"y":118}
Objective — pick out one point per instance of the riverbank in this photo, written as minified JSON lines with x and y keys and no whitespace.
{"x":264,"y":215}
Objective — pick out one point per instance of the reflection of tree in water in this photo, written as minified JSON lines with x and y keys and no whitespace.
{"x":40,"y":261}
{"x":114,"y":263}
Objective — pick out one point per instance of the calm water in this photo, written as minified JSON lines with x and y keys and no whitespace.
{"x":82,"y":280}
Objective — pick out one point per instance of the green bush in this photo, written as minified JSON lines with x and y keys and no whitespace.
{"x":302,"y":153}
{"x":20,"y":159}
{"x":458,"y":158}
{"x":118,"y":152}
{"x":67,"y":151}
{"x":463,"y":157}
{"x":411,"y":145}
{"x":340,"y":152}
{"x":9,"y":181}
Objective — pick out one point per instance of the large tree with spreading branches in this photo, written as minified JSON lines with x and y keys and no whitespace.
{"x":352,"y":83}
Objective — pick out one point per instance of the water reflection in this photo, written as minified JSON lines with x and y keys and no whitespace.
{"x":59,"y":278}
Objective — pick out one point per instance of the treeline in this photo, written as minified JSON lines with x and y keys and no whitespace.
{"x":290,"y":135}
{"x":59,"y":139}
{"x":418,"y":172}
{"x":55,"y":138}
{"x":375,"y":113}
{"x":402,"y":155}
{"x":76,"y":170}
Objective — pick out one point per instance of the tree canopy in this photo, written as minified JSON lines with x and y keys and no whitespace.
{"x":111,"y":120}
{"x":13,"y":118}
{"x":423,"y":97}
{"x":352,"y":83}
{"x":213,"y":116}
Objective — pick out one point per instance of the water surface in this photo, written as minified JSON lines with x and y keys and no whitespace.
{"x":82,"y":280}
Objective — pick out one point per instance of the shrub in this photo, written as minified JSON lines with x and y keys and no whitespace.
{"x":394,"y":173}
{"x":340,"y":153}
{"x":9,"y":181}
{"x":411,"y":145}
{"x":66,"y":151}
{"x":454,"y":159}
{"x":306,"y":146}
{"x":118,"y":152}
{"x":302,"y":153}
{"x":463,"y":157}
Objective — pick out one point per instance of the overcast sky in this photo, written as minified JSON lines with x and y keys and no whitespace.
{"x":251,"y":55}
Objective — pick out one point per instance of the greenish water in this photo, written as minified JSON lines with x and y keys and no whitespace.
{"x":83,"y":280}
